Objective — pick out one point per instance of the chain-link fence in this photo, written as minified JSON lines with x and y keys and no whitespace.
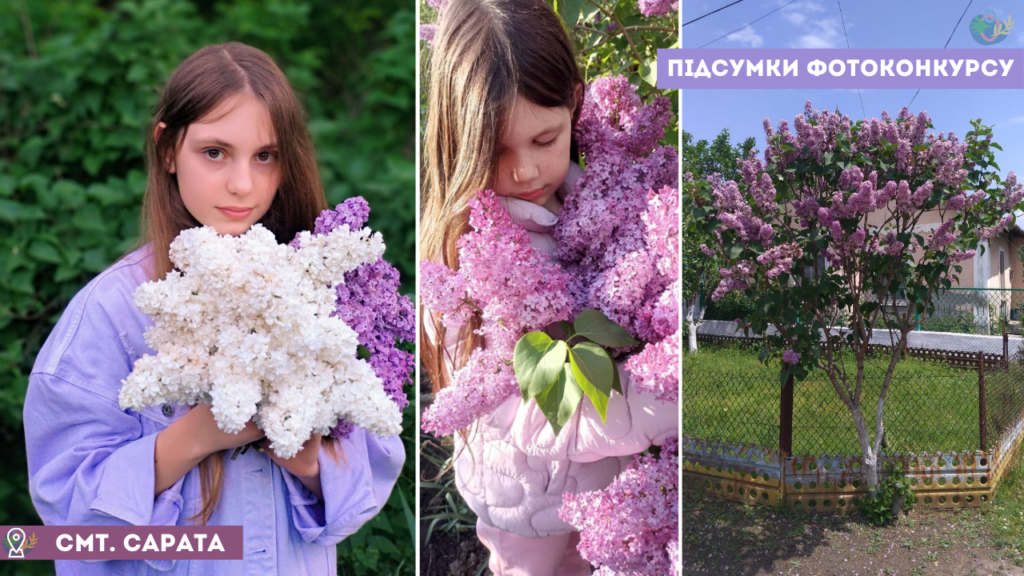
{"x":934,"y":404}
{"x":976,"y":311}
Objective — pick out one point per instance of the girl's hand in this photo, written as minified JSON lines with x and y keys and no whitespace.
{"x":188,"y":440}
{"x":305,"y":466}
{"x":211,"y":437}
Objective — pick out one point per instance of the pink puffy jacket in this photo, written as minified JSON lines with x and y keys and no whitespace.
{"x":513,"y":470}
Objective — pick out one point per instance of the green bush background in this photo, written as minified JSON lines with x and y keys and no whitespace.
{"x":79,"y":82}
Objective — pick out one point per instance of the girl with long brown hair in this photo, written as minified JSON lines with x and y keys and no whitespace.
{"x":228,"y":148}
{"x":504,"y":97}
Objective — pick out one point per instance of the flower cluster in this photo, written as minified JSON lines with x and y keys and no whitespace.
{"x":369,"y":302}
{"x":250,"y":326}
{"x":657,"y":7}
{"x":632,"y":526}
{"x":513,"y":287}
{"x":618,"y":229}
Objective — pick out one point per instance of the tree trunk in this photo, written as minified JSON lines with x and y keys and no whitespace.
{"x":869,"y":459}
{"x":690,"y":305}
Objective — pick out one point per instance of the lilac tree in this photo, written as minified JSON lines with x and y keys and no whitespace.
{"x":826,"y":236}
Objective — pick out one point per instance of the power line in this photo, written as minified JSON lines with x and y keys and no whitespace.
{"x":947,"y":43}
{"x":843,"y":19}
{"x":712,"y":12}
{"x":751,"y":24}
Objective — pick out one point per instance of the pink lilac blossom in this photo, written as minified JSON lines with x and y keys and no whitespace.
{"x":990,"y":233}
{"x":632,"y":526}
{"x":943,"y":236}
{"x":790,"y":357}
{"x":779,"y":259}
{"x":370,"y":303}
{"x":657,"y":7}
{"x":515,"y":289}
{"x":958,"y":256}
{"x":656,"y":368}
{"x":427,"y":32}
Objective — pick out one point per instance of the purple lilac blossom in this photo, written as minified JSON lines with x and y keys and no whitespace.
{"x":632,"y":526}
{"x":370,"y":303}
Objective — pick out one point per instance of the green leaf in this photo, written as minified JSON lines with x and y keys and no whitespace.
{"x":537,"y":361}
{"x":734,"y":251}
{"x":560,"y":401}
{"x":362,"y":352}
{"x":594,"y":325}
{"x":594,"y":372}
{"x":649,"y":73}
{"x":616,"y":383}
{"x":567,"y":329}
{"x":569,"y":11}
{"x":12,"y":211}
{"x":44,"y":252}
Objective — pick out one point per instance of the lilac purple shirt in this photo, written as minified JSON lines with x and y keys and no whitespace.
{"x":91,"y":463}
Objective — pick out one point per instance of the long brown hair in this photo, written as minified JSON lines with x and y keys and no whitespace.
{"x":199,"y":84}
{"x":484,"y":54}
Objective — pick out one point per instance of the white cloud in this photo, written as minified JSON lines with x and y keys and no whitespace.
{"x":1017,"y":120}
{"x":822,"y":33}
{"x":746,"y":36}
{"x":799,"y":12}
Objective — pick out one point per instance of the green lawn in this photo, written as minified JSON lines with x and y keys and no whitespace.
{"x":728,"y":395}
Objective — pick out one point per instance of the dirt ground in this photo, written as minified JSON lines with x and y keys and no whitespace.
{"x":726,"y":538}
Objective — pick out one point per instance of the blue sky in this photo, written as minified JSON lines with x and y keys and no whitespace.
{"x":870,"y":24}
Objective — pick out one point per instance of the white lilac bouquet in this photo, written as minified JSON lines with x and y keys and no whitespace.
{"x":631,"y":528}
{"x":253,"y":328}
{"x":617,"y":254}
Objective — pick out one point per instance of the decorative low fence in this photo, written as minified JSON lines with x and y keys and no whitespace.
{"x":954,"y":422}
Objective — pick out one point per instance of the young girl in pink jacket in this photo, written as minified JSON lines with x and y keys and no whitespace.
{"x":504,"y":97}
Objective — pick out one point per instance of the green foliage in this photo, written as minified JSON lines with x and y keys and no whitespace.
{"x":444,"y":510}
{"x":877,"y":508}
{"x":962,"y":322}
{"x":385,"y":544}
{"x":559,"y":383}
{"x":80,"y":83}
{"x":729,"y":307}
{"x":700,"y":159}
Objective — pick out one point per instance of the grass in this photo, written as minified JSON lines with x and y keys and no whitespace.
{"x":728,"y":395}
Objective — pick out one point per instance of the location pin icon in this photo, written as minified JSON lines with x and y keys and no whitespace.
{"x":16,"y":536}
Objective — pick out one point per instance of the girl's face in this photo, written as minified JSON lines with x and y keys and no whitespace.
{"x":533,"y":154}
{"x":227,"y":165}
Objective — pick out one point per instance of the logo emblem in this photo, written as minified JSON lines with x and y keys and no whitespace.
{"x":17,"y":543}
{"x":988,"y":29}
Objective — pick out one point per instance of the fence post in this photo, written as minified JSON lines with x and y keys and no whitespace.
{"x":1006,"y":347}
{"x":786,"y":419}
{"x":983,"y":425}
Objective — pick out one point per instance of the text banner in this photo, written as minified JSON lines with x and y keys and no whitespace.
{"x":782,"y":68}
{"x":121,"y":542}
